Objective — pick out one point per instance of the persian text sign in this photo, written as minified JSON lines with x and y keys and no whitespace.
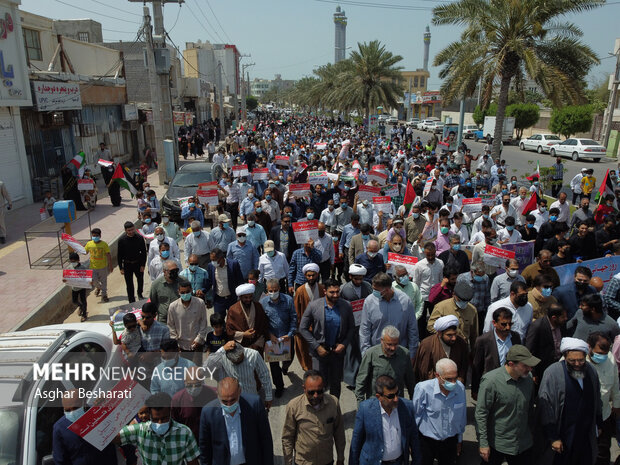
{"x":472,"y":205}
{"x":495,"y":256}
{"x":299,"y":190}
{"x":78,"y":278}
{"x":357,"y":306}
{"x":240,"y":171}
{"x":524,"y":254}
{"x":305,"y":230}
{"x":52,"y":96}
{"x":208,"y":197}
{"x":382,"y":204}
{"x":260,"y":174}
{"x":407,"y":261}
{"x":368,"y":192}
{"x":317,"y":177}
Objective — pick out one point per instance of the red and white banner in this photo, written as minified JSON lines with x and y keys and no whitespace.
{"x":378,"y":176}
{"x":305,"y":230}
{"x":378,"y":168}
{"x":281,"y":160}
{"x":208,"y":197}
{"x":147,"y":237}
{"x":391,"y":190}
{"x":260,"y":174}
{"x":105,"y":163}
{"x":357,"y":306}
{"x":407,"y":261}
{"x":240,"y":171}
{"x":320,"y":146}
{"x":299,"y":190}
{"x":207,"y":185}
{"x":73,"y":243}
{"x":495,"y":256}
{"x":368,"y":192}
{"x":43,"y":213}
{"x":78,"y":278}
{"x":472,"y":205}
{"x":427,"y":186}
{"x":488,"y":199}
{"x":317,"y":177}
{"x":383,"y":204}
{"x":101,"y":423}
{"x":86,"y":185}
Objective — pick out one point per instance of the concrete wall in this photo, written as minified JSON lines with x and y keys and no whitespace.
{"x":71,"y":28}
{"x":90,"y":59}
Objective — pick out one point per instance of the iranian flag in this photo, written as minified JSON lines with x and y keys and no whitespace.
{"x":409,"y":195}
{"x":531,"y":205}
{"x":79,"y":161}
{"x":607,"y":188}
{"x":120,"y":176}
{"x":536,"y":174}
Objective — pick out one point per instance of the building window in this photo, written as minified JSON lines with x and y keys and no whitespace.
{"x":415,"y":81}
{"x":32,"y":43}
{"x":83,"y":36}
{"x":421,"y":81}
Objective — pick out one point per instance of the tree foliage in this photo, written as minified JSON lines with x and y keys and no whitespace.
{"x":526,"y":115}
{"x":251,"y":103}
{"x":571,"y":120}
{"x":505,"y":41}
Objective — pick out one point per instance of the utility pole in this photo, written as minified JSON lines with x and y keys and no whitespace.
{"x":244,"y":92}
{"x":409,"y":102}
{"x":611,"y":105}
{"x":221,"y":100}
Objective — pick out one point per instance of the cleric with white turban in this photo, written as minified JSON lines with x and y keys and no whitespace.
{"x":245,"y":289}
{"x":357,"y":270}
{"x":310,"y":267}
{"x":572,"y":343}
{"x":445,"y":322}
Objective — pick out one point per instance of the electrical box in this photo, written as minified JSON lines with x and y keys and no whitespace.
{"x":162,"y":60}
{"x":64,"y":211}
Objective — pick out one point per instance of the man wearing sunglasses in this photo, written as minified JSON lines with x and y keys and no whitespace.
{"x":385,"y":430}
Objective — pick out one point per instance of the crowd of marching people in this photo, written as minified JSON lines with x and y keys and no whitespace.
{"x":382,"y":264}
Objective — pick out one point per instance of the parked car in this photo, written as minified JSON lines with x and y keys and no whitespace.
{"x":579,"y":148}
{"x":436,"y":127}
{"x":185,"y":183}
{"x":383,"y":118}
{"x":392,"y":120}
{"x":469,"y":130}
{"x":424,"y":125}
{"x":413,"y":122}
{"x":539,"y":142}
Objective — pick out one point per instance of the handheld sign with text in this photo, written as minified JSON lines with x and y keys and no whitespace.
{"x":73,"y":243}
{"x":488,"y":199}
{"x":78,"y":278}
{"x":357,"y":306}
{"x":382,"y":204}
{"x":427,"y":186}
{"x":405,"y":260}
{"x":260,"y":174}
{"x":43,"y":214}
{"x":105,"y":163}
{"x":86,"y":184}
{"x":391,"y":190}
{"x":281,"y":160}
{"x":208,"y":197}
{"x":305,"y":230}
{"x":117,"y":314}
{"x":472,"y":205}
{"x":240,"y":171}
{"x":299,"y":190}
{"x":320,"y":146}
{"x":278,"y":352}
{"x":101,"y":423}
{"x":378,"y":176}
{"x":207,"y":185}
{"x":317,"y":177}
{"x":368,"y":192}
{"x":332,"y":176}
{"x":495,"y":256}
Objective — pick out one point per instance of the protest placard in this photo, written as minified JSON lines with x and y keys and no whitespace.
{"x":305,"y":230}
{"x":282,"y":160}
{"x":78,"y":278}
{"x":378,"y":168}
{"x":378,"y":176}
{"x":382,"y":204}
{"x":240,"y":171}
{"x":207,"y":185}
{"x":488,"y":199}
{"x":260,"y":174}
{"x":278,"y":352}
{"x":604,"y":267}
{"x":101,"y":423}
{"x":320,"y":146}
{"x":117,"y":314}
{"x":73,"y":243}
{"x":332,"y":176}
{"x":86,"y":184}
{"x":407,"y":261}
{"x":43,"y":214}
{"x":317,"y":177}
{"x":368,"y":192}
{"x":299,"y":190}
{"x":495,"y":256}
{"x":208,"y":197}
{"x":472,"y":205}
{"x":105,"y":163}
{"x":427,"y":186}
{"x":357,"y":306}
{"x":391,"y":190}
{"x":184,"y":202}
{"x":524,"y":254}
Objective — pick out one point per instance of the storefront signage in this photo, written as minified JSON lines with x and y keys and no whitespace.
{"x":14,"y":88}
{"x":53,"y":96}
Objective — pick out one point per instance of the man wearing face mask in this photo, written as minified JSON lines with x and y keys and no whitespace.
{"x":371,"y":260}
{"x":160,"y":237}
{"x":325,"y":245}
{"x":541,"y":267}
{"x":162,"y":439}
{"x":343,"y":214}
{"x":247,"y":205}
{"x":271,"y":207}
{"x":454,"y":257}
{"x":132,"y":259}
{"x":193,"y":210}
{"x":591,"y":317}
{"x":169,"y":376}
{"x":505,"y":410}
{"x":282,"y":327}
{"x":100,"y":263}
{"x":262,"y":218}
{"x":459,"y":306}
{"x":225,"y":437}
{"x":445,"y":394}
{"x":187,"y":404}
{"x":328,"y":216}
{"x":164,"y":290}
{"x":569,"y":295}
{"x":70,"y":449}
{"x":171,"y":229}
{"x":359,"y":242}
{"x":187,"y":322}
{"x":157,"y":266}
{"x":517,"y":303}
{"x":570,"y":405}
{"x":414,"y":225}
{"x":581,"y":214}
{"x":198,"y":243}
{"x":243,"y":252}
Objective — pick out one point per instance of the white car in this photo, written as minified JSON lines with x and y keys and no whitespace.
{"x":539,"y":142}
{"x":436,"y":127}
{"x":392,"y":120}
{"x":383,"y":118}
{"x":579,"y":148}
{"x":469,"y":130}
{"x":425,"y":124}
{"x":413,"y":122}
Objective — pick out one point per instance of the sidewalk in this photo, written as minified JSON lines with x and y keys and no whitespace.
{"x":26,"y":292}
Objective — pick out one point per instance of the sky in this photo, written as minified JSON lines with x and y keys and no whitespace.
{"x":293,"y":37}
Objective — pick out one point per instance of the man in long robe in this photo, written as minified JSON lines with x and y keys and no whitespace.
{"x":303,"y":296}
{"x":246,"y":321}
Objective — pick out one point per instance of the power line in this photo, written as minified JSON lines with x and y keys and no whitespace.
{"x":95,"y":13}
{"x":177,"y":19}
{"x":218,"y":22}
{"x":183,"y":56}
{"x":121,"y":32}
{"x":201,"y":25}
{"x":116,"y":8}
{"x":385,"y":6}
{"x":209,"y":22}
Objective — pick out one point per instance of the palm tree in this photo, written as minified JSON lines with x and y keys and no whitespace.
{"x":511,"y":39}
{"x":372,"y":79}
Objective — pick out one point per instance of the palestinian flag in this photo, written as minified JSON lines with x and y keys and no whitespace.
{"x":607,"y":188}
{"x":409,"y":195}
{"x":79,"y":161}
{"x":531,"y":205}
{"x":122,"y":178}
{"x":536,"y":174}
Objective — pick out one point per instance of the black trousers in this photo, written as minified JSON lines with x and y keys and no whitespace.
{"x":276,"y":369}
{"x":556,"y":188}
{"x":331,"y":368}
{"x":345,"y":251}
{"x":604,"y":441}
{"x":325,"y":269}
{"x":444,"y":451}
{"x":79,"y":299}
{"x":233,"y":209}
{"x":131,"y":269}
{"x":497,"y":458}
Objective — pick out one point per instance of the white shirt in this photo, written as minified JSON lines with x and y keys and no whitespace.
{"x":154,"y":249}
{"x":521,"y":316}
{"x":463,"y":232}
{"x":476,"y":237}
{"x":502,"y":213}
{"x":272,"y":208}
{"x":541,"y":218}
{"x":426,"y":275}
{"x":391,"y":434}
{"x":272,"y":267}
{"x":518,"y":203}
{"x":197,"y":245}
{"x":156,"y":267}
{"x":564,"y":210}
{"x":325,"y":245}
{"x":328,"y":217}
{"x":513,"y":237}
{"x":575,"y":183}
{"x":477,"y":226}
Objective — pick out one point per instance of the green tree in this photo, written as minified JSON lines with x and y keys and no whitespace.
{"x":571,"y":120}
{"x":479,"y":115}
{"x":526,"y":115}
{"x":511,"y":39}
{"x":251,"y":103}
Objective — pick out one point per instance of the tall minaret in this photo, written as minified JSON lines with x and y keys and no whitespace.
{"x":340,"y":42}
{"x":427,"y":44}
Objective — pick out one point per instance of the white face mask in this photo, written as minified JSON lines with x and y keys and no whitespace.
{"x":242,"y":239}
{"x":397,"y":247}
{"x":513,"y":273}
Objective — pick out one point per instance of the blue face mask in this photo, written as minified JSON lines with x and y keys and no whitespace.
{"x":230,"y":409}
{"x":530,"y":226}
{"x":404,"y":280}
{"x":259,"y":209}
{"x":415,"y":216}
{"x":510,"y":228}
{"x":160,"y":428}
{"x":165,"y":253}
{"x":449,"y":385}
{"x":267,"y":197}
{"x":504,"y":191}
{"x":365,"y":237}
{"x":96,"y":238}
{"x":456,"y":247}
{"x":310,"y":216}
{"x":197,"y":233}
{"x":468,"y":184}
{"x":376,"y":293}
{"x":147,"y":220}
{"x":486,"y":217}
{"x":192,"y":204}
{"x":478,"y":278}
{"x":74,"y":414}
{"x":334,"y":238}
{"x":546,"y":291}
{"x":598,"y":358}
{"x":186,"y":297}
{"x":193,"y":267}
{"x":343,"y":205}
{"x":271,"y":253}
{"x":553,"y":218}
{"x":225,"y":225}
{"x":448,"y":204}
{"x":277,"y":183}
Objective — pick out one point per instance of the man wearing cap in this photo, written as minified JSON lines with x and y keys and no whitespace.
{"x":505,"y":408}
{"x":445,"y":343}
{"x":246,"y":322}
{"x":308,"y":292}
{"x":245,"y":253}
{"x":517,"y":302}
{"x":306,"y":256}
{"x":459,"y":305}
{"x":570,"y":405}
{"x":222,"y":235}
{"x":273,"y":265}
